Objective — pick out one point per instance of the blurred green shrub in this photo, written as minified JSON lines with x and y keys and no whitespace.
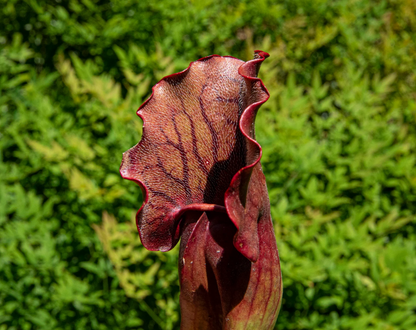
{"x":380,"y":35}
{"x":338,"y":136}
{"x":59,"y":172}
{"x":342,"y":182}
{"x":139,"y":270}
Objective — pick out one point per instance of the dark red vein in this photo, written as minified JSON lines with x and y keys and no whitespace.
{"x":210,"y":127}
{"x":184,"y":159}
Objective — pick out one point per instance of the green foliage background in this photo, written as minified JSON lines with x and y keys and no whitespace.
{"x":338,"y":134}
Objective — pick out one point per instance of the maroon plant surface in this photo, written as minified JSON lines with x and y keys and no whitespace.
{"x":199,"y":168}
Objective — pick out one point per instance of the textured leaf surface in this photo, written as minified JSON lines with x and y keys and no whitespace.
{"x":198,"y":131}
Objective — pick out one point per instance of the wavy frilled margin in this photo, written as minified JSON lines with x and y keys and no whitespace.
{"x":199,"y":168}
